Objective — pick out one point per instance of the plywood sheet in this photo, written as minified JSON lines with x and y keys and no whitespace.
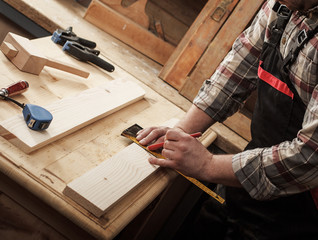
{"x":71,"y":114}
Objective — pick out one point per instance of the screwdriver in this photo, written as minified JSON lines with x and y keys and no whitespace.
{"x":14,"y":89}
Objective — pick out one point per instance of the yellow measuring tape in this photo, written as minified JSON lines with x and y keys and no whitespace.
{"x":193,"y":180}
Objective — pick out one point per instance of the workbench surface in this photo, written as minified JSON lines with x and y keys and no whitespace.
{"x":46,"y":171}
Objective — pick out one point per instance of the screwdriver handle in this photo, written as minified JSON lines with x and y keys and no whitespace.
{"x":14,"y":89}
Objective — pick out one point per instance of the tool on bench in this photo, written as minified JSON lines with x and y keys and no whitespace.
{"x":131,"y":133}
{"x":26,"y":57}
{"x":36,"y":117}
{"x":61,"y":36}
{"x":86,"y":54}
{"x":14,"y":89}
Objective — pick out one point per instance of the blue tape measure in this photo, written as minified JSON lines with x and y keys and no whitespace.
{"x":36,"y":117}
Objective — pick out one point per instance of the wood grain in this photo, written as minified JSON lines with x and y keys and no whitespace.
{"x":71,"y":114}
{"x":100,"y":188}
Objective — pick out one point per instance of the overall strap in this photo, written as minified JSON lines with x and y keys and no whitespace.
{"x":302,"y":38}
{"x":283,"y":16}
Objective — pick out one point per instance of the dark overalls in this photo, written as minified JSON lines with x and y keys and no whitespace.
{"x":277,"y":117}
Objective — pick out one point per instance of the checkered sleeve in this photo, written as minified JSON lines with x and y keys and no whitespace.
{"x":284,"y":169}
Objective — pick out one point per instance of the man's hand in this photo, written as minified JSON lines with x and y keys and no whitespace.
{"x":184,"y":153}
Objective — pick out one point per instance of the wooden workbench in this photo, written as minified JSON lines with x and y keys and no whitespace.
{"x":46,"y":172}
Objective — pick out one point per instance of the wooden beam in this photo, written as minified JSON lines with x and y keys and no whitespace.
{"x":128,"y":31}
{"x":195,"y":41}
{"x":71,"y":114}
{"x":220,"y":46}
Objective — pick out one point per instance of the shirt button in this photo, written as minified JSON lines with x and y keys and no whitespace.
{"x":283,"y":40}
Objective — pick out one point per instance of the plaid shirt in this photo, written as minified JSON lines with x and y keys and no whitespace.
{"x":291,"y":166}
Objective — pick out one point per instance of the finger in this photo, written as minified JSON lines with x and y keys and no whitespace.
{"x":152,"y":135}
{"x":160,"y":162}
{"x":143,"y":133}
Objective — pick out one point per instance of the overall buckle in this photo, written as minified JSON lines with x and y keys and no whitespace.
{"x":302,"y":36}
{"x":283,"y":11}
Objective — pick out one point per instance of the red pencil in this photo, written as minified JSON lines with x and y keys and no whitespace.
{"x":159,"y":145}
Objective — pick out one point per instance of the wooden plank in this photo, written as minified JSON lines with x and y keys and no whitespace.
{"x":100,"y":188}
{"x":240,"y":124}
{"x":220,"y":46}
{"x":128,"y":31}
{"x":195,"y":41}
{"x":105,"y":185}
{"x":227,"y":140}
{"x":71,"y":114}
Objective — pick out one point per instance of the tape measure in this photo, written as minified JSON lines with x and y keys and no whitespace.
{"x":193,"y":180}
{"x":36,"y":117}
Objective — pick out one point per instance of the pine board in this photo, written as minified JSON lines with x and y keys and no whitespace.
{"x":71,"y":114}
{"x":100,"y":188}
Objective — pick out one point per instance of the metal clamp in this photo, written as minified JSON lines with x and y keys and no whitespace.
{"x":220,"y":10}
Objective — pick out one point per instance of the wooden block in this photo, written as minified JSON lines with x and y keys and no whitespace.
{"x":128,"y":31}
{"x":25,"y":56}
{"x":71,"y":114}
{"x":98,"y":189}
{"x":195,"y":41}
{"x":9,"y":50}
